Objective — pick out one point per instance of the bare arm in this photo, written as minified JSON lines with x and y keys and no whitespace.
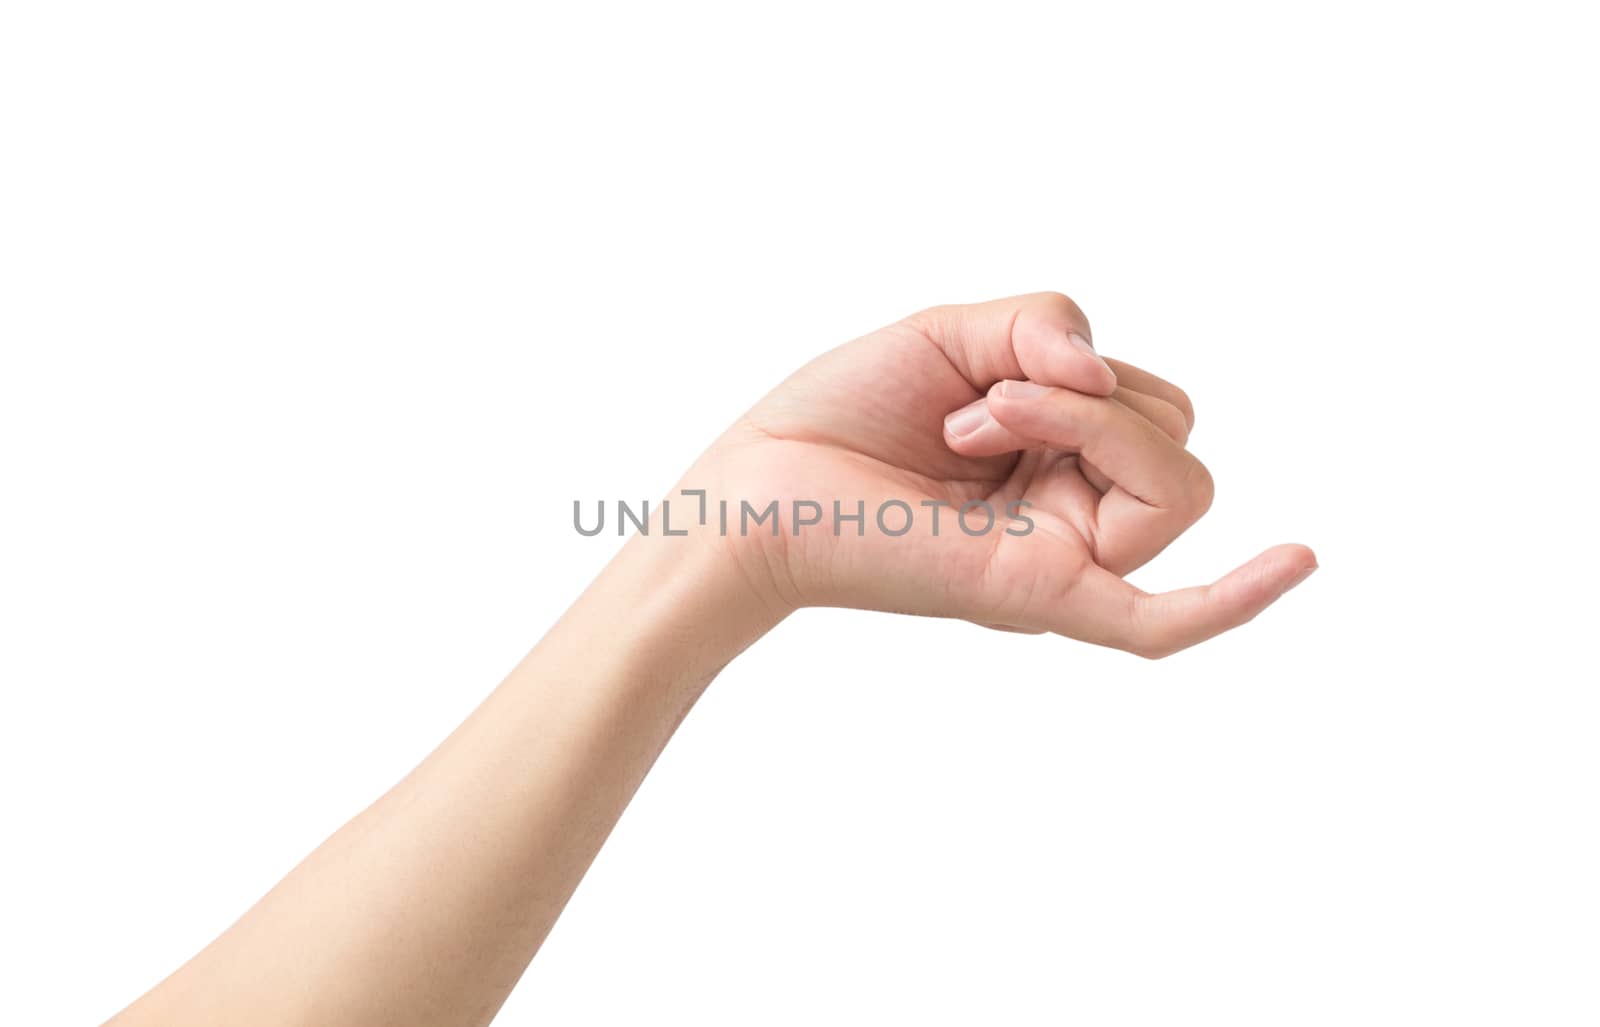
{"x":426,"y":908}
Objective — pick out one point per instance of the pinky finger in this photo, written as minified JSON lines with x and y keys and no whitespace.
{"x":1108,"y":611}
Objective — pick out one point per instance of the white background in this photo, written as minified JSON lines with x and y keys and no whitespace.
{"x":317,"y":317}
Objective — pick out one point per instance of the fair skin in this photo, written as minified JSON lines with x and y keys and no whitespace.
{"x":428,"y":906}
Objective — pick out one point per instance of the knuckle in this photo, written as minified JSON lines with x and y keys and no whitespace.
{"x":1201,"y":488}
{"x":1146,"y":639}
{"x":929,"y":321}
{"x":1170,"y":420}
{"x":1061,"y":304}
{"x":1150,"y":649}
{"x":1185,"y":405}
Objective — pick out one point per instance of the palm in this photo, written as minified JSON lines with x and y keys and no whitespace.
{"x":864,"y":423}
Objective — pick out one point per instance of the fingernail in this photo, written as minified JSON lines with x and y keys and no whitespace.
{"x":1022,"y":390}
{"x":1084,"y":345}
{"x":1303,"y":575}
{"x":968,"y":419}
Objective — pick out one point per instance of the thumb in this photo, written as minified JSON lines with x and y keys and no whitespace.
{"x":1042,"y":336}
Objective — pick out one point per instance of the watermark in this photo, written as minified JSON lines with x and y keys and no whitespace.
{"x":892,"y":517}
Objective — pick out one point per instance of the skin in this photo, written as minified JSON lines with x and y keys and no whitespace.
{"x":427,"y":907}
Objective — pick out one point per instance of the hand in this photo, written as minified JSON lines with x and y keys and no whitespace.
{"x":1004,"y":404}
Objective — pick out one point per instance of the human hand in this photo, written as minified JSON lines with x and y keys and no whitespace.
{"x":1005,"y":409}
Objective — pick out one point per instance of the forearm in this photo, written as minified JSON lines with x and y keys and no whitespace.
{"x":427,"y":907}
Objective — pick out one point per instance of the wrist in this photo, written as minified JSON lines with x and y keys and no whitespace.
{"x":699,"y":589}
{"x":667,"y":613}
